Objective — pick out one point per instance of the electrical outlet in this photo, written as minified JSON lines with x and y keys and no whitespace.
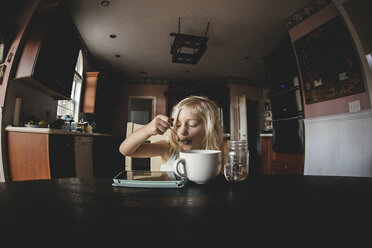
{"x":354,"y":106}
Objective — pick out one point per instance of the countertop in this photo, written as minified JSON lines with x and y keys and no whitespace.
{"x":284,"y":210}
{"x":53,"y":131}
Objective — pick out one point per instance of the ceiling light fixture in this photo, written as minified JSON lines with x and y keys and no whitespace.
{"x":113,"y":36}
{"x":188,"y":49}
{"x":117,"y":55}
{"x":105,"y":3}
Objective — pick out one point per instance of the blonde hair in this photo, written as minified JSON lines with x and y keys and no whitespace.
{"x":208,"y":112}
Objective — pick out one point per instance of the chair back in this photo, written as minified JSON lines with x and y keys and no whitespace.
{"x":155,"y":162}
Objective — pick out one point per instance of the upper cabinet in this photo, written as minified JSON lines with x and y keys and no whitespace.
{"x":98,"y":100}
{"x":90,"y":90}
{"x":50,"y":52}
{"x":282,"y":67}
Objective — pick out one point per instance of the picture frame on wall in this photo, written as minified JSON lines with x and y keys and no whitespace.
{"x":329,"y":65}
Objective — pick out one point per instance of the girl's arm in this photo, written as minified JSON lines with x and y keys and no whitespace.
{"x":134,"y":145}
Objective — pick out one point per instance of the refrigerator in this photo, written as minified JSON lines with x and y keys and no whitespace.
{"x":287,"y":115}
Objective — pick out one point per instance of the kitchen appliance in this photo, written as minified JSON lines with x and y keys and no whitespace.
{"x":84,"y":156}
{"x":287,"y":118}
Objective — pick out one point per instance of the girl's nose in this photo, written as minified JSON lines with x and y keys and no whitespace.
{"x":183,"y":130}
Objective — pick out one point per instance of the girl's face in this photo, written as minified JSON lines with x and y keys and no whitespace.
{"x":190,"y":128}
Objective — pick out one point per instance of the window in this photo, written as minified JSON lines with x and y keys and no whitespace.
{"x":71,"y":107}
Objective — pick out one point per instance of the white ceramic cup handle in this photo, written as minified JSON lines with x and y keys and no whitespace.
{"x":176,"y":170}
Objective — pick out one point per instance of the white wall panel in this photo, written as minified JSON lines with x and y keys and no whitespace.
{"x":339,"y":145}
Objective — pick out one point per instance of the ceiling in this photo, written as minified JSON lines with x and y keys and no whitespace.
{"x":237,"y":29}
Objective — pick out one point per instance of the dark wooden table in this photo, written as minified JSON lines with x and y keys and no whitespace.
{"x":299,"y":210}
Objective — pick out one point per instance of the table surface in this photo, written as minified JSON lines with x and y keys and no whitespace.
{"x":264,"y":209}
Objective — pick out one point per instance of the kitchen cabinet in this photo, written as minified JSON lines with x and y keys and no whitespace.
{"x":107,"y":160}
{"x":282,"y":66}
{"x":277,"y":163}
{"x":288,"y":164}
{"x":266,"y":154}
{"x":61,"y":156}
{"x":98,"y":99}
{"x":50,"y":51}
{"x":90,"y":91}
{"x":28,"y":156}
{"x":50,"y":153}
{"x":40,"y":156}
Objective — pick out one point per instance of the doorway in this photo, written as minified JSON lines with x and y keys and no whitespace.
{"x":141,"y":111}
{"x":253,"y":120}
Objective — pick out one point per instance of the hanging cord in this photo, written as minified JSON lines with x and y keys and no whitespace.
{"x":179,"y":24}
{"x":206,"y":31}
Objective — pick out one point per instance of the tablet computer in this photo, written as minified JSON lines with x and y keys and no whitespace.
{"x":148,"y":179}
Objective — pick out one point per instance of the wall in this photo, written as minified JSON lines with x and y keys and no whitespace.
{"x":364,"y":48}
{"x":337,"y":142}
{"x":339,"y":145}
{"x":360,"y":13}
{"x":23,"y":15}
{"x":159,"y":91}
{"x":121,"y":113}
{"x":34,"y":104}
{"x":339,"y":105}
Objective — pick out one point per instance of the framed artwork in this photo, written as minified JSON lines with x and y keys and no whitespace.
{"x":329,"y":65}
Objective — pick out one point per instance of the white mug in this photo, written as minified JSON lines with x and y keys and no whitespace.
{"x":199,"y":166}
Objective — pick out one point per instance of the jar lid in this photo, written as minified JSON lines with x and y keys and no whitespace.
{"x":237,"y":143}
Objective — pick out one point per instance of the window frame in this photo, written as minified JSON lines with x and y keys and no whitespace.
{"x":75,"y":96}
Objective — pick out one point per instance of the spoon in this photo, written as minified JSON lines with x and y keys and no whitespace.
{"x":178,"y":137}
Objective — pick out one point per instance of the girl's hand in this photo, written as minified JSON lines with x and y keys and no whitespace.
{"x":159,"y":124}
{"x":134,"y":145}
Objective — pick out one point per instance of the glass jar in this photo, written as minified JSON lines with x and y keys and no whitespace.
{"x":236,"y":160}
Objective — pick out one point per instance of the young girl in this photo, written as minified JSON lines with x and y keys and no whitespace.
{"x":196,"y":121}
